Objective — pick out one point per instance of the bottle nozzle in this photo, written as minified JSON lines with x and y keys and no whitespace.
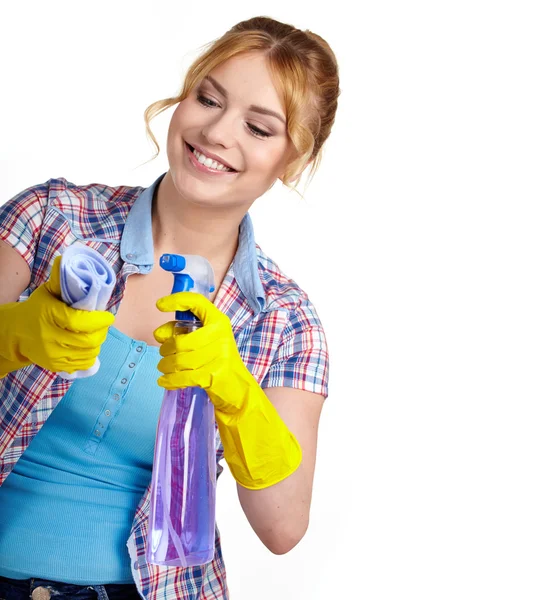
{"x":191,"y":273}
{"x":172,"y":262}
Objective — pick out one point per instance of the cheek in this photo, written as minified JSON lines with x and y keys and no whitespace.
{"x":174,"y":128}
{"x":185,"y":115}
{"x":268,"y":159}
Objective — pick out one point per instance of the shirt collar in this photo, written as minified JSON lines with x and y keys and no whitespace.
{"x":137,"y":244}
{"x":137,"y":247}
{"x":245,"y":266}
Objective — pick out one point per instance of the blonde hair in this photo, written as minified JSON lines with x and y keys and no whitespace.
{"x":304,"y":70}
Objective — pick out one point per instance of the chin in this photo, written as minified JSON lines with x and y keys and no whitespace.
{"x":199,"y":193}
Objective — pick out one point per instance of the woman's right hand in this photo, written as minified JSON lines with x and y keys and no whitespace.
{"x":45,"y":331}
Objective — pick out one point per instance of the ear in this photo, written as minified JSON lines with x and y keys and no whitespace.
{"x":296,"y":178}
{"x":298,"y":175}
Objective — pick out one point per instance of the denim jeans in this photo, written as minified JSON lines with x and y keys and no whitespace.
{"x":43,"y":589}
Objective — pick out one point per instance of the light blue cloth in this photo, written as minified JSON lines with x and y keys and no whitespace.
{"x":86,"y":277}
{"x":68,"y":506}
{"x":87,"y":281}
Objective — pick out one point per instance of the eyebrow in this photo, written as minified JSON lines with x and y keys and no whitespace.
{"x":253,"y":107}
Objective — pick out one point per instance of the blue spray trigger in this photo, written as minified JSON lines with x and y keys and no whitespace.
{"x":182,"y":282}
{"x":186,"y":315}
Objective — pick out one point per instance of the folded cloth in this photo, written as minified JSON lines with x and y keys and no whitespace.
{"x":87,"y":281}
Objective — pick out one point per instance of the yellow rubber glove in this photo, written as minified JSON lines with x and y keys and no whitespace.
{"x":258,"y":446}
{"x":45,"y":331}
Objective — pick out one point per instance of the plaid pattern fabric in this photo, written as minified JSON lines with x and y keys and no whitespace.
{"x":278,"y":333}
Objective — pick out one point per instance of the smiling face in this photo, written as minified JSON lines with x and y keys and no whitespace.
{"x":236,"y":117}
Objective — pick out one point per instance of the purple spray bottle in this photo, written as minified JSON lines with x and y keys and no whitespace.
{"x":181,"y":527}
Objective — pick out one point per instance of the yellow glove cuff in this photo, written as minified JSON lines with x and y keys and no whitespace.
{"x":258,"y":446}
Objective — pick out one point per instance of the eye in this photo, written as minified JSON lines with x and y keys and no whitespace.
{"x":255,"y":131}
{"x":206,"y":101}
{"x":258,"y":132}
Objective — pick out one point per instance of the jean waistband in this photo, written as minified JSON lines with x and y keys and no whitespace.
{"x":45,"y":589}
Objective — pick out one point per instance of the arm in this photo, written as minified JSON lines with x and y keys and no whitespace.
{"x":279,"y":514}
{"x":43,"y":330}
{"x":21,"y":220}
{"x":268,"y":431}
{"x":15,"y":274}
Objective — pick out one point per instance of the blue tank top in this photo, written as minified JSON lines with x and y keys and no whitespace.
{"x":67,"y":508}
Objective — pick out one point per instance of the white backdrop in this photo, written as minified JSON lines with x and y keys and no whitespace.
{"x":425,"y":242}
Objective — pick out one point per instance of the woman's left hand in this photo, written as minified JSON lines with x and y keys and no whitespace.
{"x":207,"y":358}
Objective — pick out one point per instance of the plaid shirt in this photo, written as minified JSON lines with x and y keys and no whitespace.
{"x":277,"y":330}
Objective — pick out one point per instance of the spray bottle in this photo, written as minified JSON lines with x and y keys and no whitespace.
{"x":181,"y":528}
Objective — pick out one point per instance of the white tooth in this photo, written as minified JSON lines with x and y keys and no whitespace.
{"x":209,"y":162}
{"x":216,"y":165}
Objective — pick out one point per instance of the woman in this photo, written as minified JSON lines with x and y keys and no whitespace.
{"x":257,"y":106}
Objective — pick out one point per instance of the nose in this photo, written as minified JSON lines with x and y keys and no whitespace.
{"x":219,"y":131}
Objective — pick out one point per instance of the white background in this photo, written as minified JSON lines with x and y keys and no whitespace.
{"x":425,"y":242}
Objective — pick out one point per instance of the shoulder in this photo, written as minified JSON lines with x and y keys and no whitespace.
{"x":72,"y":199}
{"x":43,"y":218}
{"x":299,"y":354}
{"x":283,"y":293}
{"x":93,"y":196}
{"x":281,"y":290}
{"x":93,"y":210}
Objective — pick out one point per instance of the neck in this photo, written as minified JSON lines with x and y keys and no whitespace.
{"x":184,"y":228}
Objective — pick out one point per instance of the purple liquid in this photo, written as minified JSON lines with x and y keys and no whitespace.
{"x":182,"y":516}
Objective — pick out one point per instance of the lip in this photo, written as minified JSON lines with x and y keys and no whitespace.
{"x":199,"y":167}
{"x":212,"y":156}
